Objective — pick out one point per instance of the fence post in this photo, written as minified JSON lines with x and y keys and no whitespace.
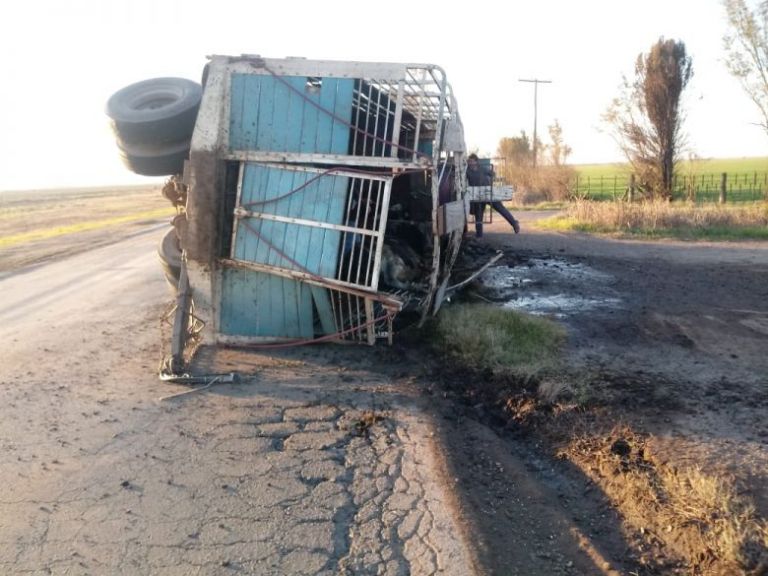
{"x":765,"y":187}
{"x":754,"y":187}
{"x":631,"y":194}
{"x":723,"y":185}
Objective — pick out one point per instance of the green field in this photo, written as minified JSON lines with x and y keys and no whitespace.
{"x":747,"y":179}
{"x":711,"y":165}
{"x":604,"y":170}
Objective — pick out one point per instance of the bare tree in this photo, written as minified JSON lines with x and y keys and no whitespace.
{"x":558,"y":149}
{"x":647,"y":117}
{"x":518,"y":159}
{"x":746,"y":47}
{"x":548,"y":181}
{"x":516,"y":150}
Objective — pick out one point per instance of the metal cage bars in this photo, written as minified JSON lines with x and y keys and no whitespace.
{"x":388,"y":120}
{"x":360,"y":236}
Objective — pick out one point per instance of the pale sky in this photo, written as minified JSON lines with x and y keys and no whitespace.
{"x":63,"y":59}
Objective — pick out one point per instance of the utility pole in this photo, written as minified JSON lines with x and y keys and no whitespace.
{"x":535,"y":82}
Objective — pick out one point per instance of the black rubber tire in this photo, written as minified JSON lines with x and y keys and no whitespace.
{"x":169,"y":251}
{"x":157,"y":160}
{"x":155,"y":111}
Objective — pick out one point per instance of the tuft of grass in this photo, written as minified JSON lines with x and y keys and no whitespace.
{"x":726,"y":520}
{"x":661,"y":219}
{"x":485,"y":337}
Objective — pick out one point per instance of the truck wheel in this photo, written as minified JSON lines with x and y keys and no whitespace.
{"x":169,"y":251}
{"x":155,"y":111}
{"x":157,"y":160}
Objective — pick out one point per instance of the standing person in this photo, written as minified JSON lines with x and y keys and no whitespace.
{"x":478,"y":176}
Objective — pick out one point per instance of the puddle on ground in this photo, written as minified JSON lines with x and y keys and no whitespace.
{"x":502,"y":277}
{"x":559,"y":305}
{"x":551,"y":287}
{"x":567,"y":270}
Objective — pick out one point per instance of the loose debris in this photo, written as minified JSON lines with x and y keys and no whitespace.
{"x":366,"y":421}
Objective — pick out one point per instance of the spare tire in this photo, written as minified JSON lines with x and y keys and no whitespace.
{"x":169,"y":251}
{"x":155,"y":111}
{"x":156,"y":160}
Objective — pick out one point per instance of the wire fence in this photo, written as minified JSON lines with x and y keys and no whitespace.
{"x":711,"y":187}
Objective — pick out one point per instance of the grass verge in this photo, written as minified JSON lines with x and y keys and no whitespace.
{"x":698,"y":516}
{"x":52,"y":232}
{"x":539,"y":206}
{"x":664,"y":220}
{"x":481,"y":337}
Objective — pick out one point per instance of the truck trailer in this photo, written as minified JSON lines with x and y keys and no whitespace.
{"x":318,"y":200}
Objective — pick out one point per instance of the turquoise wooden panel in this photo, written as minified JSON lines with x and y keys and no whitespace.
{"x":257,"y":304}
{"x":292,"y":207}
{"x":290,"y":108}
{"x":265,"y":114}
{"x":325,"y":123}
{"x":324,"y":244}
{"x":286,"y":304}
{"x":311,"y":129}
{"x":268,"y":122}
{"x":322,"y":300}
{"x":330,"y":207}
{"x":425,"y":147}
{"x":294,"y":246}
{"x":245,"y":103}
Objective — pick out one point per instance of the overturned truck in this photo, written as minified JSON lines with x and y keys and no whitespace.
{"x":318,"y":199}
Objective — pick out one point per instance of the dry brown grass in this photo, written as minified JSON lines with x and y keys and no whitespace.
{"x":547,"y":183}
{"x":699,"y":517}
{"x":662,"y":218}
{"x":679,"y":518}
{"x":40,"y":225}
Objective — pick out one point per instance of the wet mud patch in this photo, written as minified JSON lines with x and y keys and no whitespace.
{"x":629,"y":391}
{"x":548,"y":287}
{"x":663,"y":328}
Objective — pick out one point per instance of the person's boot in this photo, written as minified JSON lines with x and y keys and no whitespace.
{"x":516,"y":226}
{"x":479,"y":229}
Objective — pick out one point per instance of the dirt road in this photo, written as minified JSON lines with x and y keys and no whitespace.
{"x":331,"y":459}
{"x":304,"y":467}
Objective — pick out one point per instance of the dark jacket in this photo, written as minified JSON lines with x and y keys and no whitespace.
{"x":479,"y":176}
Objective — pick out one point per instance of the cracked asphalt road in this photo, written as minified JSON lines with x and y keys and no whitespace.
{"x":304,"y":467}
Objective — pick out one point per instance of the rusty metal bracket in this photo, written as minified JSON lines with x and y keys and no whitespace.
{"x":180,"y":321}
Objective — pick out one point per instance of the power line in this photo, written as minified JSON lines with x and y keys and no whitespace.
{"x":535,"y":82}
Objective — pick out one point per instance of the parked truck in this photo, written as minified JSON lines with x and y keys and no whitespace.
{"x":318,"y":200}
